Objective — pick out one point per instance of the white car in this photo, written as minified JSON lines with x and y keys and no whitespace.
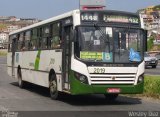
{"x":158,"y":56}
{"x":150,"y":61}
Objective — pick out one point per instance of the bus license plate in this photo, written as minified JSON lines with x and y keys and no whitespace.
{"x":113,"y":90}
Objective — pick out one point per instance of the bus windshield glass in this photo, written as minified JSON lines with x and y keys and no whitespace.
{"x":109,"y":44}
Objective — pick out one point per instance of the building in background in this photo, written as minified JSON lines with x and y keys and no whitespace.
{"x":12,"y":23}
{"x":150,"y":17}
{"x":3,"y":40}
{"x":11,"y":28}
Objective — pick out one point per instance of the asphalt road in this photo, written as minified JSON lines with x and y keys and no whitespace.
{"x":36,"y":98}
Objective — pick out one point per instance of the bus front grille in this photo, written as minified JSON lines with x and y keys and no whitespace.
{"x":112,"y":78}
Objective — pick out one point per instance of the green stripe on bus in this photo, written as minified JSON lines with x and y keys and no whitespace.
{"x":37,"y":61}
{"x":78,"y":88}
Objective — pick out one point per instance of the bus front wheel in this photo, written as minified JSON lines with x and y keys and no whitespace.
{"x":111,"y":97}
{"x":53,"y":87}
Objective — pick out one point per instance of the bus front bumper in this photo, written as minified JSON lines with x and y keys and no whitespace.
{"x":78,"y":88}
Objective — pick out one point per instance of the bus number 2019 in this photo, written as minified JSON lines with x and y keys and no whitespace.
{"x":99,"y":70}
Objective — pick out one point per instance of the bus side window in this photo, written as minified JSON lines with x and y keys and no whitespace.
{"x":44,"y":43}
{"x":39,"y":35}
{"x":21,"y":42}
{"x":33,"y":40}
{"x":32,"y":44}
{"x":55,"y":39}
{"x":22,"y":45}
{"x":55,"y":42}
{"x":27,"y":39}
{"x":45,"y":36}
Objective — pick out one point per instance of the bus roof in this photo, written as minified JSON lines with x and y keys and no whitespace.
{"x":44,"y":22}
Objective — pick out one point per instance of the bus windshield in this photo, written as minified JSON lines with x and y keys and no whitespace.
{"x":109,"y":44}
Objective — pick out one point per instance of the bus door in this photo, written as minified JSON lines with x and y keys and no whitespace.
{"x":66,"y":60}
{"x":13,"y":56}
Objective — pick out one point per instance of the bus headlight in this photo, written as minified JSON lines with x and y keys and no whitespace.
{"x":81,"y":78}
{"x":141,"y":78}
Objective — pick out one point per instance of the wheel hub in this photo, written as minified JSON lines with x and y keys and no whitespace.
{"x":53,"y":86}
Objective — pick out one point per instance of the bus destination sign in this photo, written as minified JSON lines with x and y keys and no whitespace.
{"x":120,"y":19}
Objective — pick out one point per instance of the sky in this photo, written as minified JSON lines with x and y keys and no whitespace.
{"x":43,"y":9}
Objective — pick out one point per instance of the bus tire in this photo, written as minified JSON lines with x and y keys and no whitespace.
{"x":53,"y":87}
{"x":111,"y":97}
{"x":20,"y":81}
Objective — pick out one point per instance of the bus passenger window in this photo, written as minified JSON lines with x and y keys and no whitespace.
{"x":44,"y":36}
{"x":23,"y":46}
{"x":55,"y":42}
{"x":49,"y":42}
{"x":27,"y":38}
{"x":55,"y":39}
{"x":39,"y":43}
{"x":21,"y":42}
{"x":33,"y":41}
{"x":44,"y":43}
{"x":33,"y":44}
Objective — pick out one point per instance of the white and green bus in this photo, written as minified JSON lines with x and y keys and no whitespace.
{"x":81,"y":52}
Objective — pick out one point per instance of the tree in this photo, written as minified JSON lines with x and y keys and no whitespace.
{"x":2,"y":27}
{"x":150,"y":43}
